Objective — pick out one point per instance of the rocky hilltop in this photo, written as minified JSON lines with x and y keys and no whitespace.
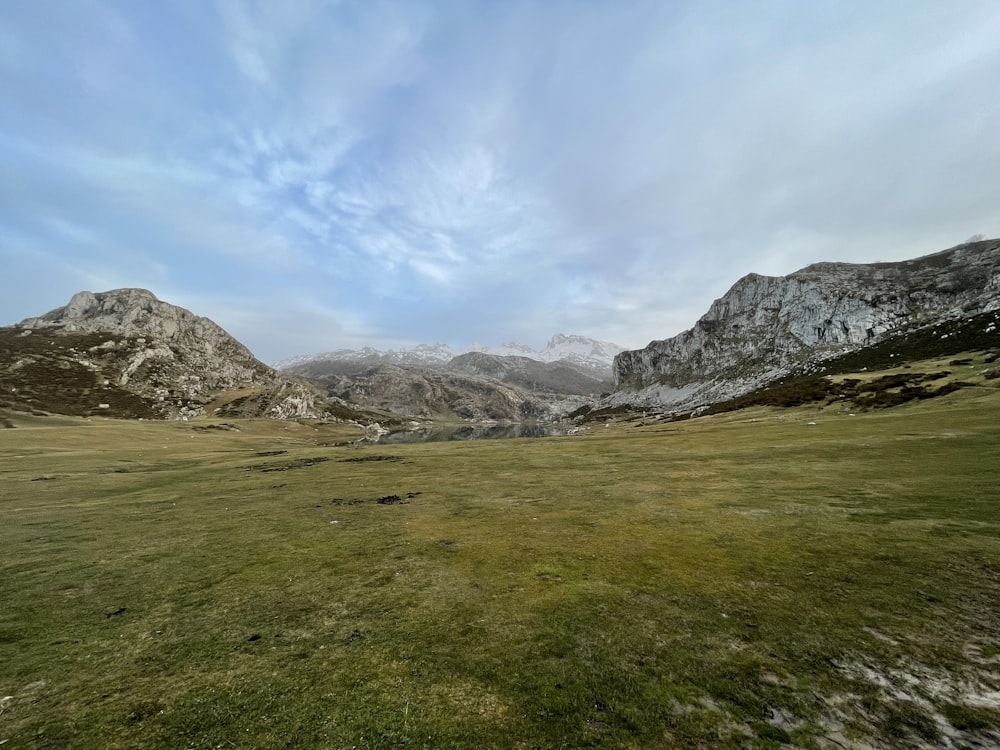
{"x":126,"y":353}
{"x":765,"y":327}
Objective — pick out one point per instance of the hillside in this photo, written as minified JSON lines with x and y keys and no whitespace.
{"x":475,"y":385}
{"x":125,"y":353}
{"x":438,"y":392}
{"x":765,"y":328}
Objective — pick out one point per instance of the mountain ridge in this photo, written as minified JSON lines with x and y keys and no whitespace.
{"x":765,"y":327}
{"x":581,"y":350}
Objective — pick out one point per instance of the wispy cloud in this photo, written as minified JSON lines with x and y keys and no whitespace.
{"x":450,"y":171}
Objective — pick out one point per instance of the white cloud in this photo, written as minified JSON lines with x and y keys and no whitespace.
{"x":451,"y":171}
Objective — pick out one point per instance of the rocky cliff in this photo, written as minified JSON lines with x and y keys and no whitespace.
{"x":765,"y":327}
{"x":126,"y":353}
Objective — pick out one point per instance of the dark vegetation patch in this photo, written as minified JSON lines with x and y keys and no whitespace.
{"x":43,"y":371}
{"x":976,"y":333}
{"x":971,"y":718}
{"x":955,"y":337}
{"x":366,"y":459}
{"x":224,"y":427}
{"x":882,"y":392}
{"x":905,"y":721}
{"x":270,"y":453}
{"x":393,"y":499}
{"x":298,"y":463}
{"x":338,"y":501}
{"x":611,"y":412}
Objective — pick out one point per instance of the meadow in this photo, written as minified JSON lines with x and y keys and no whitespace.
{"x":764,"y":578}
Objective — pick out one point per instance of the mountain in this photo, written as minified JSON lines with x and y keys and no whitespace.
{"x":766,"y":327}
{"x":443,"y":393}
{"x":126,"y":353}
{"x":562,"y":376}
{"x":511,"y":382}
{"x":580,"y":350}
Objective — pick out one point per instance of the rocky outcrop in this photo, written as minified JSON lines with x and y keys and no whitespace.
{"x":561,"y":376}
{"x":435,"y":393}
{"x":126,"y":353}
{"x":765,"y":327}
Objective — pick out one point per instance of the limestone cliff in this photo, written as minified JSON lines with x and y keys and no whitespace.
{"x":765,"y":327}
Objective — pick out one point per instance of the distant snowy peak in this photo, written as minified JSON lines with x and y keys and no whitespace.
{"x":581,"y":350}
{"x":577,"y":349}
{"x":421,"y":354}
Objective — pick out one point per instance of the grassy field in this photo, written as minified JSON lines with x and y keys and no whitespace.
{"x":762,"y":578}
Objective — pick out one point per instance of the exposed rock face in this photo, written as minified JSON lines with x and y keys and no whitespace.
{"x":765,"y":327}
{"x":475,"y":385}
{"x":561,"y":376}
{"x":437,"y":393}
{"x":141,"y":357}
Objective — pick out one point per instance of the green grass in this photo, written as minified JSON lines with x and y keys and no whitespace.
{"x":742,"y":580}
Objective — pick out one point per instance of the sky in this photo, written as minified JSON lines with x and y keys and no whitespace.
{"x":319,"y":175}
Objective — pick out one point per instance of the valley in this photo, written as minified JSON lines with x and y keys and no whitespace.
{"x":757,"y":534}
{"x":768,"y":577}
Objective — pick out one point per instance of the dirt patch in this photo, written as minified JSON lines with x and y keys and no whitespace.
{"x":366,"y":459}
{"x":383,"y":500}
{"x":299,"y":463}
{"x":225,"y":427}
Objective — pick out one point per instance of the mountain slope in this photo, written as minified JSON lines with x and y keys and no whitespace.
{"x":126,"y":353}
{"x":478,"y":385}
{"x":560,"y":376}
{"x":440,"y":393}
{"x":765,"y":327}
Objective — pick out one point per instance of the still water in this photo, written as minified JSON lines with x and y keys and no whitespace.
{"x":470,"y":432}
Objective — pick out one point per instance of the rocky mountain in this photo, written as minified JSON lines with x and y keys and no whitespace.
{"x":561,"y":376}
{"x":579,"y":350}
{"x":126,"y":353}
{"x":511,"y":383}
{"x":766,"y":327}
{"x":443,"y":393}
{"x":475,"y":385}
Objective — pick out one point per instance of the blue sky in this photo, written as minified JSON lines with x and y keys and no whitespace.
{"x":316,"y":175}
